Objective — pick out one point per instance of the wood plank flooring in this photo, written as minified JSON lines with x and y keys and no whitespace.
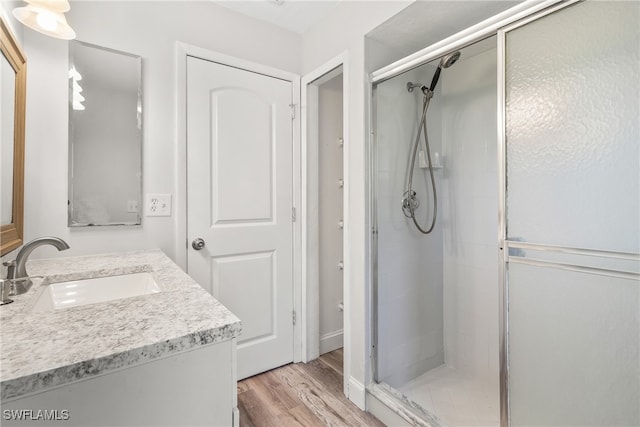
{"x":300,"y":394}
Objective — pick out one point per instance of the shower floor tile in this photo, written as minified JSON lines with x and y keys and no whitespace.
{"x":457,"y":399}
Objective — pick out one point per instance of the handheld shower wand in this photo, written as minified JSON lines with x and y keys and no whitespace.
{"x":410,"y":200}
{"x":446,"y":62}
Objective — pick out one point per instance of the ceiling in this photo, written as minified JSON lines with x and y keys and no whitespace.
{"x":293,"y":15}
{"x":421,"y":24}
{"x":426,"y":22}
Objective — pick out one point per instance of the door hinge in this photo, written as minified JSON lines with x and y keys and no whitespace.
{"x":293,"y":214}
{"x":293,"y":316}
{"x":293,"y":111}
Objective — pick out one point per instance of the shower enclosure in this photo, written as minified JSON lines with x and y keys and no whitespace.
{"x":521,"y":305}
{"x":437,"y":294}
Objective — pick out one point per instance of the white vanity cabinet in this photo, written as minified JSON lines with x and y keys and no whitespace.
{"x":162,"y":359}
{"x":191,"y":388}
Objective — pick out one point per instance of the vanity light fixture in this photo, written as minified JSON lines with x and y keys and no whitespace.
{"x":46,"y":17}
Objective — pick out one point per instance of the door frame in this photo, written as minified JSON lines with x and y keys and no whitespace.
{"x":182,"y":51}
{"x":310,"y":297}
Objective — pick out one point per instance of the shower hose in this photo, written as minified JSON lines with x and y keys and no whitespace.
{"x":422,"y":128}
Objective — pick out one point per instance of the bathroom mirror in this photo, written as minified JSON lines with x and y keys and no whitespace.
{"x":13,"y":77}
{"x":105,"y":136}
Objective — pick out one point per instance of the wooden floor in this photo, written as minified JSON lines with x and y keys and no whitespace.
{"x":300,"y":394}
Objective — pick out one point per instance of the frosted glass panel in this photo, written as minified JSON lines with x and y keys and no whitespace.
{"x":573,"y":348}
{"x":573,"y":180}
{"x":572,"y":114}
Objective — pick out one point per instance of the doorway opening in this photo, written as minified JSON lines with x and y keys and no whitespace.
{"x":324,"y":201}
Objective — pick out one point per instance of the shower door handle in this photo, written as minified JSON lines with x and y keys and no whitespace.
{"x":197,"y":244}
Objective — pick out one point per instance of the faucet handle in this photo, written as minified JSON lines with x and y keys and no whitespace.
{"x":5,"y":291}
{"x":11,"y":268}
{"x":21,"y":285}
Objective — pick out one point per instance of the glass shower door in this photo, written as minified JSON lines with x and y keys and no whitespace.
{"x":572,"y":221}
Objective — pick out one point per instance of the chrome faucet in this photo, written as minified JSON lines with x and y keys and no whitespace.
{"x":23,"y":255}
{"x":17,"y":277}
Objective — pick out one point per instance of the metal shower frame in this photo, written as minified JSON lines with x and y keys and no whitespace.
{"x":497,"y":25}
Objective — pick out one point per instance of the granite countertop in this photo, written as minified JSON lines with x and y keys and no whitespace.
{"x":39,"y":350}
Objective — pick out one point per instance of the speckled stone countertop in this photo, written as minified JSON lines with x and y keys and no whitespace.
{"x":39,"y":350}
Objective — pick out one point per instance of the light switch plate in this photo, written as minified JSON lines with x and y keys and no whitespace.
{"x":158,"y":205}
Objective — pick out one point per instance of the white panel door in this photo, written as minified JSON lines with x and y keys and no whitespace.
{"x":240,"y":197}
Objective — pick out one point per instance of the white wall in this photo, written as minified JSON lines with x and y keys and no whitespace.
{"x":410,"y":271}
{"x":330,"y":213}
{"x":470,"y":206}
{"x":5,"y":11}
{"x":148,"y":29}
{"x":341,"y":31}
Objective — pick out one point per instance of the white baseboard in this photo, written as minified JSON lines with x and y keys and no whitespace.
{"x":357,"y":393}
{"x":331,"y":341}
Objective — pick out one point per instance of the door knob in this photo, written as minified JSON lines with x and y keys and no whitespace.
{"x":197,"y":244}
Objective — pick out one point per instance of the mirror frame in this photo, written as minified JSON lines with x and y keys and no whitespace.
{"x":11,"y":235}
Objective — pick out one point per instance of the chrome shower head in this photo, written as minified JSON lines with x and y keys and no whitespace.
{"x":448,"y":60}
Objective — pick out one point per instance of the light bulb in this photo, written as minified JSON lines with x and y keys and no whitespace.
{"x":47,"y":20}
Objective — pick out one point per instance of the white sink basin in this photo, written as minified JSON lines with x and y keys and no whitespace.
{"x":90,"y":291}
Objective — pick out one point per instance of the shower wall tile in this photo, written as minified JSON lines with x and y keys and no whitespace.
{"x":410,"y":265}
{"x":422,"y":323}
{"x":470,"y":202}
